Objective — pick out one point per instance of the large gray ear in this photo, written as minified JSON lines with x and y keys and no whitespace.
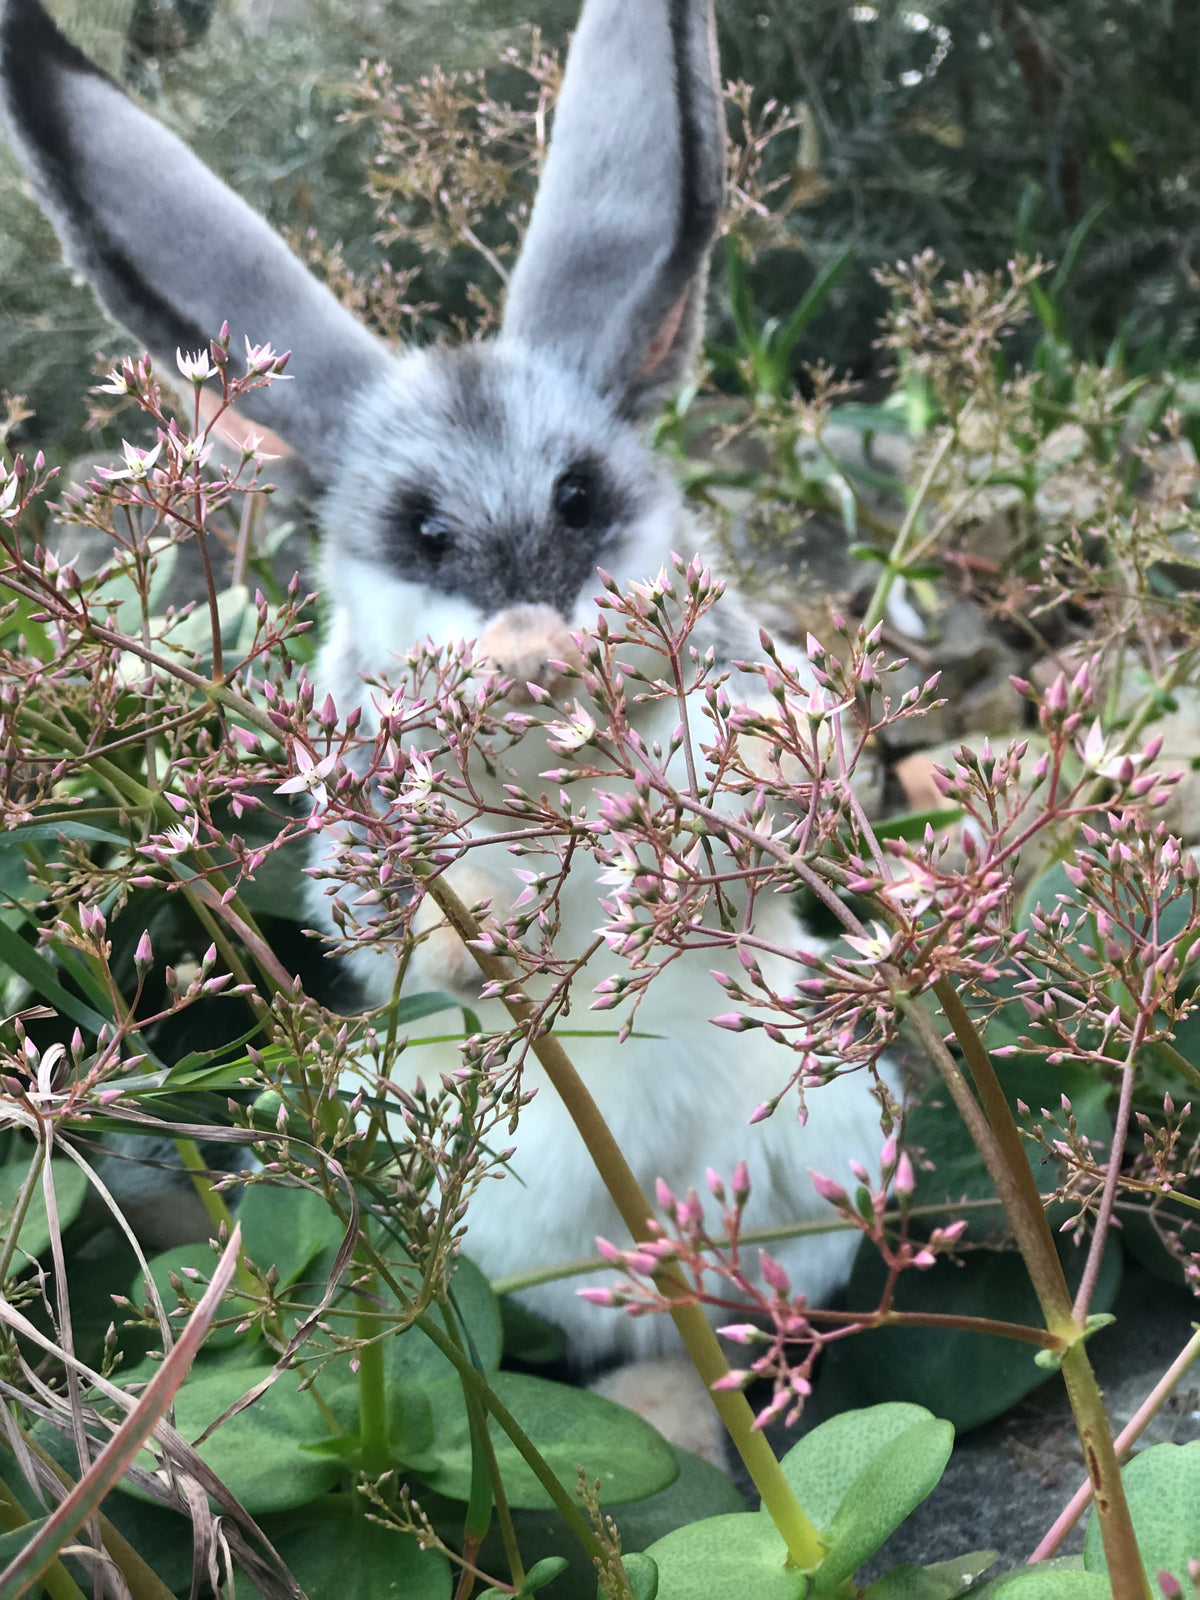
{"x":169,"y":249}
{"x":613,"y":272}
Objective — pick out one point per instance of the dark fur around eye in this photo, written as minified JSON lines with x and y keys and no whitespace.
{"x":580,"y":500}
{"x":421,"y":528}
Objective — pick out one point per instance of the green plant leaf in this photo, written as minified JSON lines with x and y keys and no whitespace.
{"x":824,"y":1465}
{"x":943,"y":1580}
{"x":1162,"y":1485}
{"x":528,"y":1337}
{"x":286,"y":1228}
{"x":642,"y":1572}
{"x":70,"y":1191}
{"x":572,"y":1427}
{"x":13,"y":1542}
{"x":895,"y":1480}
{"x":42,"y":978}
{"x":258,"y":1454}
{"x":1045,"y":1582}
{"x":700,"y":1490}
{"x":814,"y":298}
{"x":332,"y":1550}
{"x":543,"y":1572}
{"x":740,"y":1554}
{"x":51,"y":832}
{"x":913,"y":824}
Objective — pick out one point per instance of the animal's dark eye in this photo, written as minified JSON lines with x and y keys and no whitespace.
{"x":575,"y":497}
{"x":430,"y":530}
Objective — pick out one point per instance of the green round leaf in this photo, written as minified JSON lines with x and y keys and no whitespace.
{"x":823,"y":1465}
{"x":1045,"y":1582}
{"x":70,"y":1189}
{"x":943,"y":1580}
{"x":700,"y":1490}
{"x":642,"y":1572}
{"x":571,"y":1427}
{"x":895,"y":1480}
{"x":741,"y":1554}
{"x":286,"y":1228}
{"x":258,"y":1454}
{"x":1162,"y":1485}
{"x":333,"y":1550}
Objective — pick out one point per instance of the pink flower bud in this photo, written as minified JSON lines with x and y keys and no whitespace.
{"x":774,"y":1274}
{"x":741,"y":1183}
{"x":600,"y":1297}
{"x":827,"y":1189}
{"x":742,"y":1333}
{"x":905,"y":1181}
{"x":1169,"y":1584}
{"x":732,"y":1380}
{"x":143,"y":956}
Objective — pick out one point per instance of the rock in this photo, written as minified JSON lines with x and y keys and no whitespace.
{"x":975,"y":667}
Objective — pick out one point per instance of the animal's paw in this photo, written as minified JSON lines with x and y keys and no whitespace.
{"x":670,"y":1394}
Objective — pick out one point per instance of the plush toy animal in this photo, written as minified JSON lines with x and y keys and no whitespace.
{"x":471,"y":493}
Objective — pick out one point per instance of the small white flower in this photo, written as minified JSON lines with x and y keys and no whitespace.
{"x":8,"y":495}
{"x":622,"y":871}
{"x":311,"y":777}
{"x":195,"y":368}
{"x":118,"y":384}
{"x":578,"y":730}
{"x":138,"y":464}
{"x":417,"y":791}
{"x":875,"y":947}
{"x":259,"y":358}
{"x":180,"y":836}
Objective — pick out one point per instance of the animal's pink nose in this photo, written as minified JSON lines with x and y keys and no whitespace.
{"x":523,"y":641}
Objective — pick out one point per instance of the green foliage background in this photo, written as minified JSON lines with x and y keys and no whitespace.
{"x":977,"y":127}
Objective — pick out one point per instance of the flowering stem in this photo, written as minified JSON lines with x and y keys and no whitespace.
{"x":747,"y":1236}
{"x":899,"y":550}
{"x":17,"y":1219}
{"x":1112,"y":1178}
{"x":372,"y":1383}
{"x":1130,"y":1433}
{"x":999,"y":1143}
{"x":213,"y":1202}
{"x":801,"y":1538}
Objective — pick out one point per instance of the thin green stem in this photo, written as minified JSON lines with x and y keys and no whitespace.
{"x":372,"y":1380}
{"x":21,"y":1209}
{"x":998,"y":1140}
{"x":899,"y":550}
